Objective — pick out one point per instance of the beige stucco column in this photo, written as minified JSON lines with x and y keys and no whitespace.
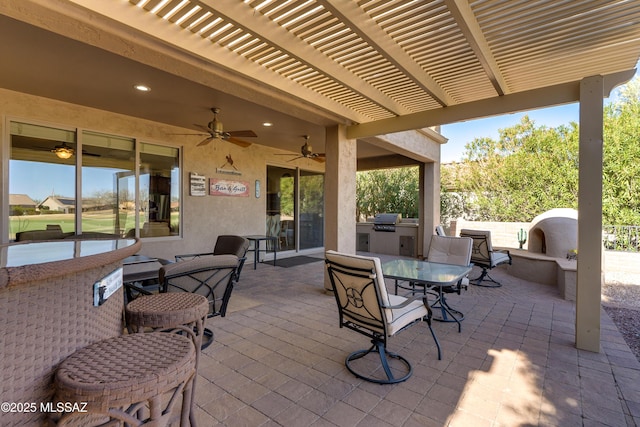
{"x":589,"y":280}
{"x":429,"y":208}
{"x":339,"y":193}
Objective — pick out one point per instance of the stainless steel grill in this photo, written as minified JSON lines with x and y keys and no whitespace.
{"x":386,"y":221}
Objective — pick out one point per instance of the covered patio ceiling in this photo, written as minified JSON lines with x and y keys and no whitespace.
{"x":376,"y":66}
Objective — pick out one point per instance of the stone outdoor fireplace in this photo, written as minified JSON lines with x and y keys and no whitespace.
{"x":554,"y":233}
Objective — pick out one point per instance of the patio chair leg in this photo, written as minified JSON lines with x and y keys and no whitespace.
{"x":484,"y":276}
{"x":207,"y":338}
{"x":379,"y":347}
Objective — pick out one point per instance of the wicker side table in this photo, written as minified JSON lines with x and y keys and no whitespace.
{"x":135,"y":379}
{"x":171,"y":312}
{"x":179,"y":312}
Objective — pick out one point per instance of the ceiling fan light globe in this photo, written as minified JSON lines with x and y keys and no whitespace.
{"x":63,"y":152}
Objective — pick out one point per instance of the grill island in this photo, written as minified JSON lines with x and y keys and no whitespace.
{"x":386,"y":221}
{"x":388,"y":234}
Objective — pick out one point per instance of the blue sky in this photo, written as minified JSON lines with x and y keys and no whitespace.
{"x":459,"y":134}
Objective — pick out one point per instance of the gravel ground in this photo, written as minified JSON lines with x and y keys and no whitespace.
{"x":622,"y":304}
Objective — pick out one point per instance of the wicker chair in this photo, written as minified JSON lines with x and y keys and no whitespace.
{"x":365,"y":306}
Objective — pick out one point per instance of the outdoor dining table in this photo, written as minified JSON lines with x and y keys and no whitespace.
{"x":434,"y":274}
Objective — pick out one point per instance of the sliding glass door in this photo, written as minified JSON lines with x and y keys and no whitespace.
{"x":295,"y":208}
{"x":311,"y":217}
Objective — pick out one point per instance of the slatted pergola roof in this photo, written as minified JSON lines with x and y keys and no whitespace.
{"x":369,"y":60}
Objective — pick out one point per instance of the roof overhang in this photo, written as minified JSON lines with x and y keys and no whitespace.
{"x":376,"y":66}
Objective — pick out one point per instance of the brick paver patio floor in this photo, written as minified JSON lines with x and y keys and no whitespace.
{"x":278,"y":359}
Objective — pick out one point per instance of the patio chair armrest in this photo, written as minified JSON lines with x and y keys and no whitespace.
{"x":408,"y":300}
{"x":191,"y":256}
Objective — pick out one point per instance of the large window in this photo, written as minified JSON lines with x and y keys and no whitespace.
{"x":46,"y":201}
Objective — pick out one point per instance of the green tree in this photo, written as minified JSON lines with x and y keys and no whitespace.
{"x":621,"y":163}
{"x":387,"y":190}
{"x":531,"y":169}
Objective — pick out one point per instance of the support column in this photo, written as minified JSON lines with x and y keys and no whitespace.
{"x":339,"y":193}
{"x":429,"y":204}
{"x":589,"y":275}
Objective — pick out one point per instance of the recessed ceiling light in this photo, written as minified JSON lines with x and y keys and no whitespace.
{"x":142,"y":88}
{"x":267,"y":124}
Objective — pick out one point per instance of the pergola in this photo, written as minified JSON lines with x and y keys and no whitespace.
{"x":366,"y":68}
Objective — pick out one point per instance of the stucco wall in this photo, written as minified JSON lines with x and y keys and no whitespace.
{"x":503,"y":234}
{"x":623,"y":267}
{"x":204,"y":218}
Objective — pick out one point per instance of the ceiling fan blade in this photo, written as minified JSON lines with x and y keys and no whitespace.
{"x":243,"y":133}
{"x":194,"y":134}
{"x":237,"y":141}
{"x":203,"y":128}
{"x":86,"y":153}
{"x":206,"y":141}
{"x":319,"y":159}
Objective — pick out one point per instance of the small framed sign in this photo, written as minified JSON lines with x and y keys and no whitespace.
{"x":225,"y":187}
{"x":198,"y":185}
{"x":106,"y":286}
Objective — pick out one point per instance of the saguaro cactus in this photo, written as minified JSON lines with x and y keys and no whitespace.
{"x":522,"y":237}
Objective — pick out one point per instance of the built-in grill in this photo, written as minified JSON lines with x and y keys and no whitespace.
{"x":386,"y":221}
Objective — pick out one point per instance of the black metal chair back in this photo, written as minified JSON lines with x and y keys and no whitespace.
{"x":212,"y":277}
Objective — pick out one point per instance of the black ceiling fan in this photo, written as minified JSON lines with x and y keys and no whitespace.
{"x":215,"y":130}
{"x":306,"y":152}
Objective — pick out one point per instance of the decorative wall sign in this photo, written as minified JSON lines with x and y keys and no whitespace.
{"x":106,"y":286}
{"x":228,"y":171}
{"x":198,"y":184}
{"x":225,"y":187}
{"x":229,"y":162}
{"x":257,"y":188}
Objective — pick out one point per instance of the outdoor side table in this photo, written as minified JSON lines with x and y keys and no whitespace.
{"x":135,"y":379}
{"x":172,"y":312}
{"x":180,"y":312}
{"x":255,"y":247}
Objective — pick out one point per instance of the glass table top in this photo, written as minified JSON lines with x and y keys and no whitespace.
{"x":424,"y":271}
{"x":17,"y":255}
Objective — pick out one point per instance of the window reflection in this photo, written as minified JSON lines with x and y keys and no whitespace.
{"x":41,"y":185}
{"x":311,"y":209}
{"x":159,"y":190}
{"x":43,"y":203}
{"x":108,"y":184}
